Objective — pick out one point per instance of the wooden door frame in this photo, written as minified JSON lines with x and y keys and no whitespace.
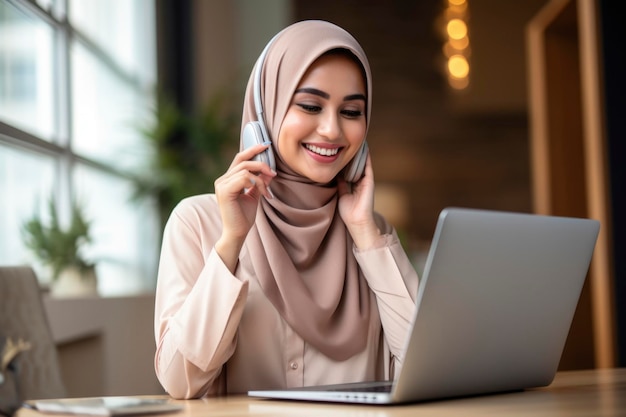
{"x":593,"y":154}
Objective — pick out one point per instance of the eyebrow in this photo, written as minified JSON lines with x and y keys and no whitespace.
{"x":325,"y":95}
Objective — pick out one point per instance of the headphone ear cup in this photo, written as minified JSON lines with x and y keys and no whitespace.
{"x":253,"y":135}
{"x":355,"y":169}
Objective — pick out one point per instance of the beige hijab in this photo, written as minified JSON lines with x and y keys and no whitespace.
{"x":300,"y":248}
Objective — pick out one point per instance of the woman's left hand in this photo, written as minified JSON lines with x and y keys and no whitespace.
{"x":356,"y":207}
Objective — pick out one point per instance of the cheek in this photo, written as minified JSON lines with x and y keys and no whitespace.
{"x":292,"y":130}
{"x":355,"y":132}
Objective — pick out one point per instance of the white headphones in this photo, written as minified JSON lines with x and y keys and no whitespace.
{"x":255,"y":132}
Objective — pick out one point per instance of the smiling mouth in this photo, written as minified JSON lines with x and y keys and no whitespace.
{"x":322,"y":151}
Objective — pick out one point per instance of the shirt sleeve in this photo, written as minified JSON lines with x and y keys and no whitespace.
{"x":198,"y":306}
{"x":394,"y":281}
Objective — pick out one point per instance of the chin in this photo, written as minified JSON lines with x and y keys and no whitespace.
{"x":322,"y":179}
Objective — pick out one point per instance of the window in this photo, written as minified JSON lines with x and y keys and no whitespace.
{"x":77,"y":82}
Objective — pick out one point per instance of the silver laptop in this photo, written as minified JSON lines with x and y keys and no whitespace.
{"x":494,"y":308}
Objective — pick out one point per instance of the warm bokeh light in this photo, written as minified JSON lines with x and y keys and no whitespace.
{"x":457,"y":29}
{"x":449,"y":50}
{"x":458,"y":67}
{"x":459,"y":44}
{"x":458,"y":84}
{"x":455,"y":11}
{"x":456,"y":47}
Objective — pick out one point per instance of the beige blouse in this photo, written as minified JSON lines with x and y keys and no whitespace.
{"x":218,"y":334}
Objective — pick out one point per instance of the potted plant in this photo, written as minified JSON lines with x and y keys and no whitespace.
{"x":188,"y":152}
{"x":61,"y":249}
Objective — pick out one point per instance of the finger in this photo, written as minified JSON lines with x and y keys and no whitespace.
{"x":249,"y":180}
{"x":244,"y":176}
{"x":255,"y":167}
{"x":261,"y":185}
{"x":235,"y":182}
{"x":251,"y":152}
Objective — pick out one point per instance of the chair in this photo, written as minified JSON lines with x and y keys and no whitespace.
{"x":22,"y":315}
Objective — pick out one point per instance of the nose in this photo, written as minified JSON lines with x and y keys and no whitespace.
{"x":329,"y":126}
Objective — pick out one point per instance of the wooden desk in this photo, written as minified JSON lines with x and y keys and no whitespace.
{"x":594,"y":393}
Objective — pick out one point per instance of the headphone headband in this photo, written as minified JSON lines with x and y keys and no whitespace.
{"x":258,"y":103}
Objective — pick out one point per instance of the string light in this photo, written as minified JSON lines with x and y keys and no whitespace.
{"x":456,"y":48}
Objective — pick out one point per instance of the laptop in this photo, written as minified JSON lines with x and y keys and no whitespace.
{"x":493,"y":310}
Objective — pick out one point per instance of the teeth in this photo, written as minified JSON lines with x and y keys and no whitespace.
{"x":322,"y":151}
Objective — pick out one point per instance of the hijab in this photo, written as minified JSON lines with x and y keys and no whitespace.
{"x":299,"y":247}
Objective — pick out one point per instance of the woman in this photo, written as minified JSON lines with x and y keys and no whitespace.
{"x":286,"y":276}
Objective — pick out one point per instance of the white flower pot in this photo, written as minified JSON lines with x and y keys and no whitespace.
{"x":74,"y":282}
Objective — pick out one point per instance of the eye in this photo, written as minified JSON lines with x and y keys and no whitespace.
{"x":352,"y":114}
{"x":309,"y":108}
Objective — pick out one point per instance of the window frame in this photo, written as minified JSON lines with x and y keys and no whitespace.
{"x":60,"y":145}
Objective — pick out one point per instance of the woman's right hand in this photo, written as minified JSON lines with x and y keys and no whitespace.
{"x":238,"y":192}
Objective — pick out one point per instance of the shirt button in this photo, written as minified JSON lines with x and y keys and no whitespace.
{"x":293,"y":365}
